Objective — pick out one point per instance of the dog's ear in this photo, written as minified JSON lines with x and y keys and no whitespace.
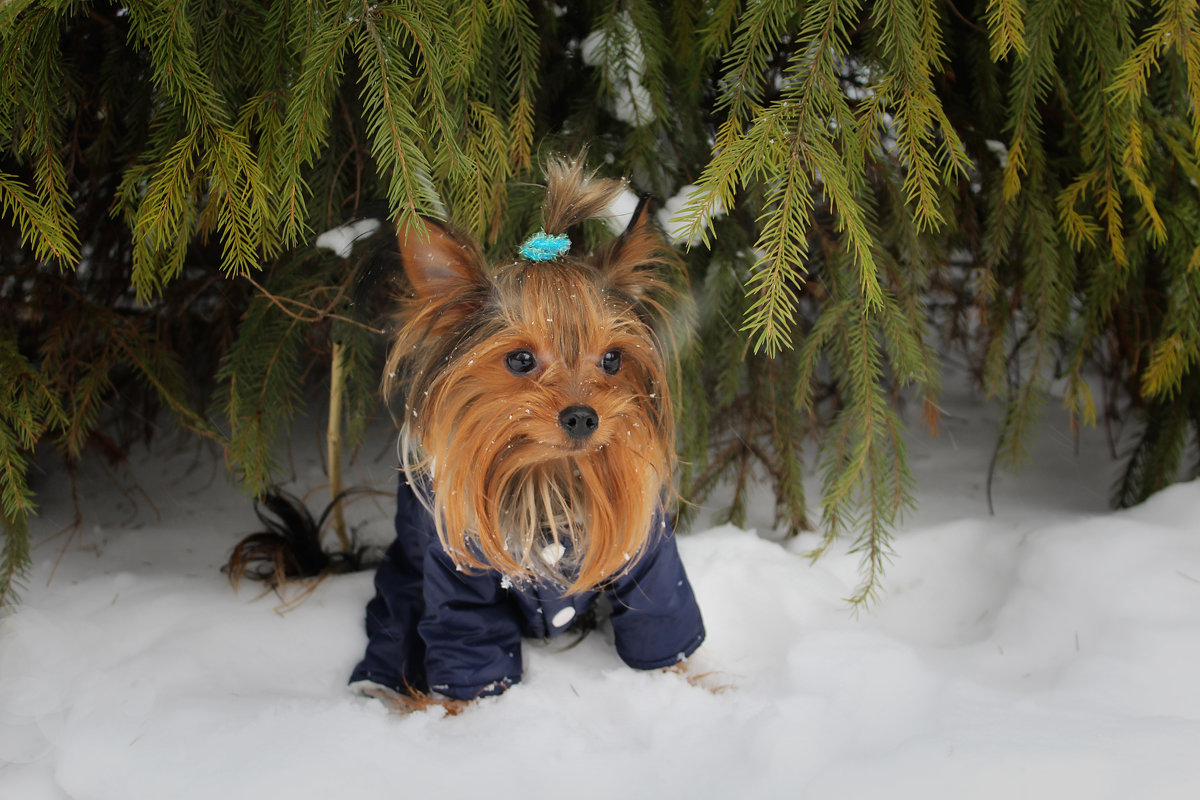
{"x":634,"y":261}
{"x":438,"y":263}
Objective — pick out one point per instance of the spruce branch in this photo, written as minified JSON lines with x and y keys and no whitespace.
{"x":37,"y":224}
{"x":389,"y":99}
{"x":874,"y":180}
{"x":1006,"y":28}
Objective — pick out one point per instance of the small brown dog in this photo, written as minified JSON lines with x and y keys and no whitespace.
{"x":538,"y":442}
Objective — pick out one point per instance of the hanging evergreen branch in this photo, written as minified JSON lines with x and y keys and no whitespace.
{"x":323,"y":46}
{"x":390,"y":96}
{"x":1006,"y":28}
{"x":37,"y":224}
{"x":516,"y":33}
{"x":259,"y":377}
{"x":859,"y":183}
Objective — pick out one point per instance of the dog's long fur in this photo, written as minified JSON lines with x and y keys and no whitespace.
{"x":509,"y":489}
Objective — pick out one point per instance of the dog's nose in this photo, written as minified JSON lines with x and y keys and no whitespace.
{"x":579,"y":422}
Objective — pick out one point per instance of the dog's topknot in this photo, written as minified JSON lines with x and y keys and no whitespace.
{"x":574,"y":194}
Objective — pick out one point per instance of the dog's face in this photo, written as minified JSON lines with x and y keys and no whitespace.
{"x":536,"y":403}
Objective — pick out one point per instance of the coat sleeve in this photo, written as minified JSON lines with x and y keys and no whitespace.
{"x":656,"y":620}
{"x":470,"y":629}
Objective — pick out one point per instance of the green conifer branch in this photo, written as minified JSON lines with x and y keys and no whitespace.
{"x":715,"y":31}
{"x":14,"y":559}
{"x":1032,"y":76}
{"x":165,"y":218}
{"x":259,"y":378}
{"x":759,"y":30}
{"x":389,"y":99}
{"x":779,"y":272}
{"x":28,"y":408}
{"x":42,"y":74}
{"x":37,"y":224}
{"x":517,"y":33}
{"x":1006,"y":28}
{"x":166,"y":29}
{"x":1156,"y":458}
{"x":1035,"y":161}
{"x":906,"y":87}
{"x":237,"y":193}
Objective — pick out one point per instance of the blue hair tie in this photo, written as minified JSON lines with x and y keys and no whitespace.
{"x":544,"y":247}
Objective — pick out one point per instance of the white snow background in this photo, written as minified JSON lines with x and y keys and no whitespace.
{"x":1049,"y":651}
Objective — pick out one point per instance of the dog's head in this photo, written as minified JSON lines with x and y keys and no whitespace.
{"x":536,"y":399}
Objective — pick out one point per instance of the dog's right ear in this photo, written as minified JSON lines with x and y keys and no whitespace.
{"x":439,"y":264}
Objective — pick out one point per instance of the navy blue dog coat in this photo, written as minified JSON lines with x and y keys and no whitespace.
{"x":434,"y":627}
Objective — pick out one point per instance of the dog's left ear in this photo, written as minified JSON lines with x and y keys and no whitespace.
{"x":631,"y":261}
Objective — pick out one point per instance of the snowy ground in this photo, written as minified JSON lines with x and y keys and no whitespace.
{"x":1049,"y":651}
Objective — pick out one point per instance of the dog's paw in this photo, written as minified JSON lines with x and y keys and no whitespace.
{"x":699,"y":670}
{"x":402,"y":703}
{"x":376,"y":691}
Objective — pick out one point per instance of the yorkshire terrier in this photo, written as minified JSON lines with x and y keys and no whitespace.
{"x":537,"y":438}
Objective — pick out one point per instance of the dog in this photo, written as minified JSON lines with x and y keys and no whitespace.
{"x":537,"y":441}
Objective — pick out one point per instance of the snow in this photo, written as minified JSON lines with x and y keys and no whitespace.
{"x":1046,"y":652}
{"x":620,"y":210}
{"x":998,"y":149}
{"x":675,"y":224}
{"x":619,"y":53}
{"x":342,"y":238}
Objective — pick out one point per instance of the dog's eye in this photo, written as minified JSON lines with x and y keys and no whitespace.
{"x":611,"y":362}
{"x":520,"y":362}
